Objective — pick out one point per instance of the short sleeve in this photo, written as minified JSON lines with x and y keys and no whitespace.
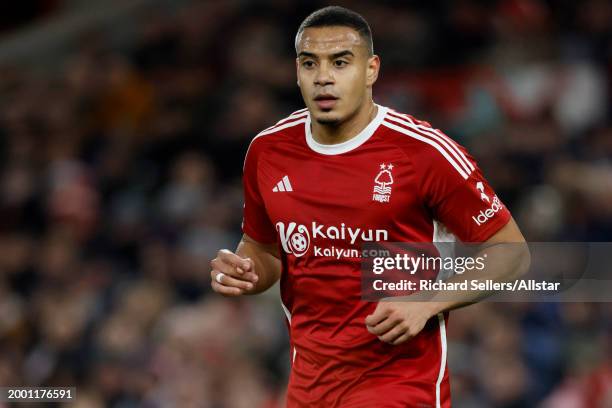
{"x":255,"y":220}
{"x":458,"y":195}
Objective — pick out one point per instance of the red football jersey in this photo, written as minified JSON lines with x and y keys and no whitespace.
{"x":396,"y":181}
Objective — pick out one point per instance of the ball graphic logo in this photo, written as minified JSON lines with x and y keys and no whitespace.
{"x":298,"y":241}
{"x":294,"y":240}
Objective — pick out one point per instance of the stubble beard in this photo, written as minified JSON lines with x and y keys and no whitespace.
{"x":328,"y":121}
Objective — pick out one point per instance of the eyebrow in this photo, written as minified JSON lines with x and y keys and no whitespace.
{"x":332,"y":56}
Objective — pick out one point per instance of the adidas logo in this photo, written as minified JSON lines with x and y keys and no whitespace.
{"x":283,"y":185}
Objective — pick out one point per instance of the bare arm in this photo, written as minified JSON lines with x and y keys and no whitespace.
{"x":266,"y":260}
{"x":252,"y":269}
{"x":504,"y":263}
{"x":397,"y":321}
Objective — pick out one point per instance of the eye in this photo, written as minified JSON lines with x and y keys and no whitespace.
{"x":308,"y":64}
{"x":340,"y":63}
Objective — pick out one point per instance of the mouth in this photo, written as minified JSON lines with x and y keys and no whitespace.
{"x":325,"y":101}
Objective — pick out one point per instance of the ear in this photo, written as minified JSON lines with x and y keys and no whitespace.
{"x":297,"y":71}
{"x":372,"y":70}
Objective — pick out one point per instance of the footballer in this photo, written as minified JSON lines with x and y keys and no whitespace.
{"x":328,"y":178}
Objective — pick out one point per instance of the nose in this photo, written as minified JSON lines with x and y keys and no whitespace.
{"x":324,"y":75}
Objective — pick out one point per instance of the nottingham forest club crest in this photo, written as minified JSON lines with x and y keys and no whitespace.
{"x":382,"y":184}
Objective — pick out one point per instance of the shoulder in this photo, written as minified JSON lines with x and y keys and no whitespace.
{"x":280,"y":128}
{"x":426,"y":145}
{"x":410,"y":131}
{"x":271,"y":135}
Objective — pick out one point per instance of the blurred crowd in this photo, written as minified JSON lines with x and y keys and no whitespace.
{"x":120,"y":178}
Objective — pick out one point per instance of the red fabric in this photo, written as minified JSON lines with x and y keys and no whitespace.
{"x":331,"y":207}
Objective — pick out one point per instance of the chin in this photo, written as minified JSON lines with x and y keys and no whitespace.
{"x":327,"y":118}
{"x":328,"y":121}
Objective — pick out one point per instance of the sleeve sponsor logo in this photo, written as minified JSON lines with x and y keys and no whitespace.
{"x":485,"y":215}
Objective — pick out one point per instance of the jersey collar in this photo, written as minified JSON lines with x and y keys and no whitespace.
{"x":351,"y":144}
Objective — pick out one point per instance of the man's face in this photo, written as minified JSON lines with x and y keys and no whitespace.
{"x":334,"y":72}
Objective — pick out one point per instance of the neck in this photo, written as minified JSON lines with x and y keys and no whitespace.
{"x":346,"y":130}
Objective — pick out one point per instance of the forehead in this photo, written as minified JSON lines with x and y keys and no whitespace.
{"x":329,"y":40}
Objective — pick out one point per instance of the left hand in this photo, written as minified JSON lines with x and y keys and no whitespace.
{"x":396,"y":322}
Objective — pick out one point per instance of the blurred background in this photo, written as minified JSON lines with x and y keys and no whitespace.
{"x":123,"y":126}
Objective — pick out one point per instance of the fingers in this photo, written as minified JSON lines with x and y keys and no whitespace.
{"x":228,"y":280}
{"x":228,"y":257}
{"x":226,"y":290}
{"x":391,"y":335}
{"x":384,"y":326}
{"x":395,"y":323}
{"x":232,"y":275}
{"x":397,"y":333}
{"x":380,"y":314}
{"x":403,"y":338}
{"x":225,"y":263}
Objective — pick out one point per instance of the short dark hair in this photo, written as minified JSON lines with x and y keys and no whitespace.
{"x":338,"y":16}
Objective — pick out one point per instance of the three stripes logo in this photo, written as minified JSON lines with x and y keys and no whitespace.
{"x":283,"y":185}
